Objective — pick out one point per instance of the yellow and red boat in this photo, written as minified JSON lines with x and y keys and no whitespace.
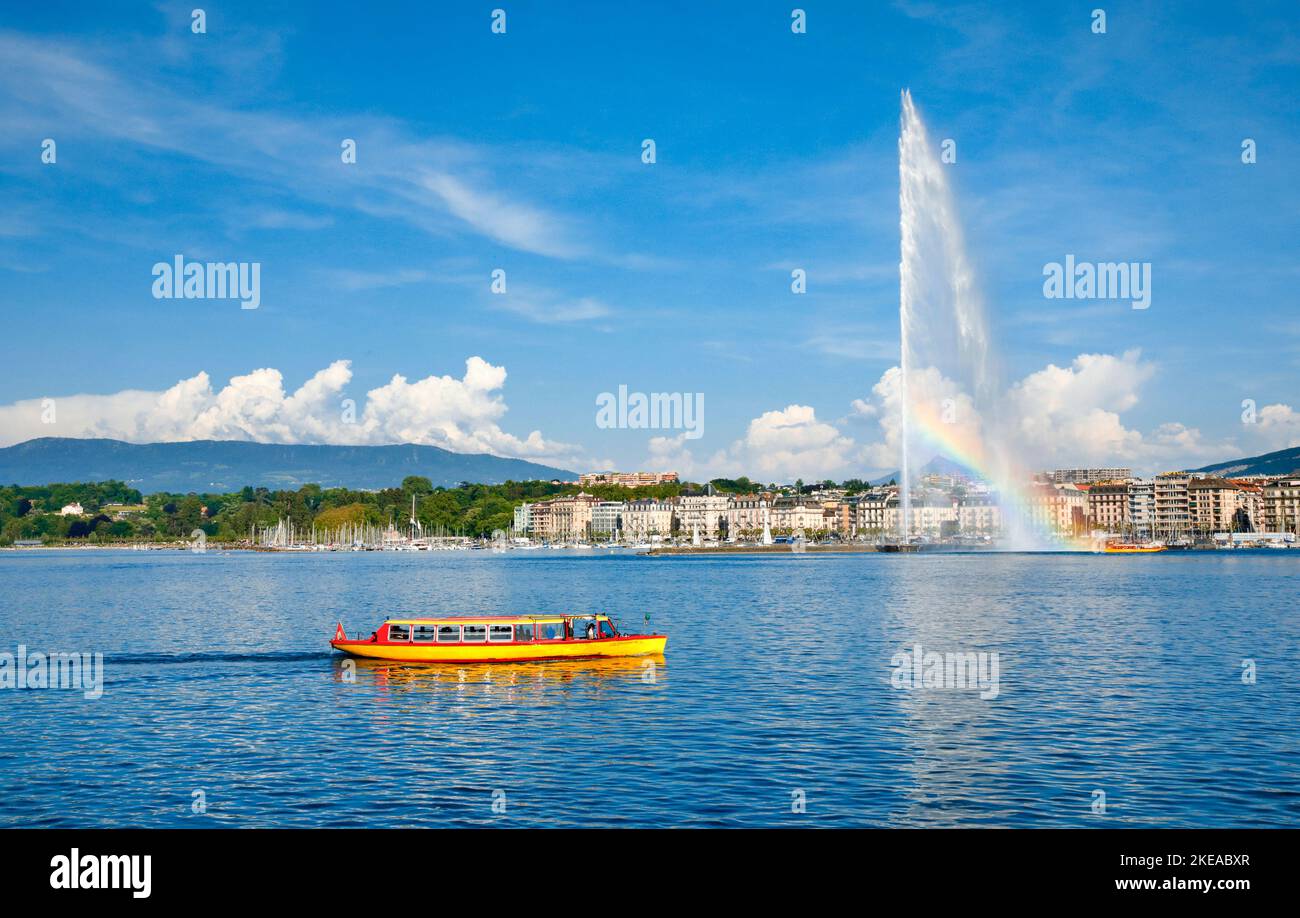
{"x":498,"y":639}
{"x":1133,"y":548}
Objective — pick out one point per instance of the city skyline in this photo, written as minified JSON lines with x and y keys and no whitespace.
{"x":669,"y":277}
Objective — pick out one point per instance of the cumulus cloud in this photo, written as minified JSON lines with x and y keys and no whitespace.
{"x":1053,"y":417}
{"x":461,"y":415}
{"x":777,"y":446}
{"x":1277,"y":427}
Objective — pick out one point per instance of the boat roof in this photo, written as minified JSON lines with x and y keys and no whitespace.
{"x":473,"y":619}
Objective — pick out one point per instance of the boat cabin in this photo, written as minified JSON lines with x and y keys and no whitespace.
{"x":524,"y":629}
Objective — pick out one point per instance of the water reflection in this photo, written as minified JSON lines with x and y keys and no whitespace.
{"x":538,"y":680}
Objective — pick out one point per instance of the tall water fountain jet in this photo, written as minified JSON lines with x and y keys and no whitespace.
{"x":949,"y":392}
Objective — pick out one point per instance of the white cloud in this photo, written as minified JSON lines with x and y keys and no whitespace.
{"x":1071,"y":414}
{"x":1054,"y":417}
{"x":461,"y":415}
{"x":102,"y":93}
{"x":778,"y":446}
{"x":514,"y":224}
{"x":547,"y":308}
{"x":1277,"y":427}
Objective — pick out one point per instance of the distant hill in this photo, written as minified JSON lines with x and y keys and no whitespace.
{"x":939,"y":465}
{"x":228,"y":465}
{"x":1282,"y":462}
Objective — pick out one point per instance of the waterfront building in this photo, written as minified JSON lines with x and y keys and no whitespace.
{"x":933,"y":516}
{"x":791,"y":514}
{"x":874,"y":512}
{"x":606,"y":518}
{"x":1109,"y":508}
{"x":1173,"y":519}
{"x":702,"y":511}
{"x":562,"y":518}
{"x":540,"y":525}
{"x":837,"y":516}
{"x":746,"y":514}
{"x":1142,"y":508}
{"x":979,"y":515}
{"x":524,"y":518}
{"x":1250,"y":506}
{"x":627,"y":479}
{"x":1059,"y":509}
{"x":1212,"y":505}
{"x":571,"y":516}
{"x":1090,"y":476}
{"x":647,"y":519}
{"x":1281,"y":501}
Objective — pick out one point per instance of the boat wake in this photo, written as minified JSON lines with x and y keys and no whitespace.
{"x":154,"y":659}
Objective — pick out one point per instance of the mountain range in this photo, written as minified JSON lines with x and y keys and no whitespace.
{"x":1282,"y":462}
{"x":218,"y":466}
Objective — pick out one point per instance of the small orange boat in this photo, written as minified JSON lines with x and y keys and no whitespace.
{"x":498,"y":639}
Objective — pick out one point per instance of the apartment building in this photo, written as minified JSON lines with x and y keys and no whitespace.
{"x":1060,"y":509}
{"x":606,"y":517}
{"x":791,"y":514}
{"x":1109,"y":508}
{"x":644,"y":520}
{"x":1090,"y":476}
{"x":1212,"y":505}
{"x":627,"y":479}
{"x":1173,"y":515}
{"x":746,"y":514}
{"x":1281,"y":501}
{"x":702,"y":511}
{"x":979,"y":515}
{"x":1142,"y":507}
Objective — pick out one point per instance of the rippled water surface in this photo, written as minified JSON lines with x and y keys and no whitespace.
{"x":1116,"y":674}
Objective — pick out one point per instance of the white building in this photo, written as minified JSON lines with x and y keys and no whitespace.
{"x":703,"y":512}
{"x":746,"y":514}
{"x":607,"y":518}
{"x":1142,"y":507}
{"x":72,"y":509}
{"x":524,"y":518}
{"x":645,"y":520}
{"x":979,"y":515}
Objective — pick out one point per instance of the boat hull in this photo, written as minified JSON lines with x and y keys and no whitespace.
{"x":629,"y":646}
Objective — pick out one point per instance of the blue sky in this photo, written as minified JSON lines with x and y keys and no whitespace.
{"x":522,"y":151}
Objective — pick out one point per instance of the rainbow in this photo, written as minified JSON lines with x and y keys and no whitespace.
{"x":961,"y":444}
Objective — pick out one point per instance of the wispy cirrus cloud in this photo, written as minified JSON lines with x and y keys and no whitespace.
{"x":441,"y":185}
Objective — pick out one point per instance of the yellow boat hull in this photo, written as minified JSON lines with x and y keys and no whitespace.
{"x":638,"y":646}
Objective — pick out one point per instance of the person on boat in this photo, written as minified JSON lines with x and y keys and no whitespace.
{"x":591,"y":631}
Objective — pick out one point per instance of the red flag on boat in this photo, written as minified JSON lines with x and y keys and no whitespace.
{"x":339,"y":634}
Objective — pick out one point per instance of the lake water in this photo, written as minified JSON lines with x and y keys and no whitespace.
{"x":773,"y":705}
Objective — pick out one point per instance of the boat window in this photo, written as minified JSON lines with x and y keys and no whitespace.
{"x":551,"y":631}
{"x":475,"y":634}
{"x":449,"y":634}
{"x":523,"y":632}
{"x":584,"y":629}
{"x":399,"y":633}
{"x":606,"y":629}
{"x":501,"y":633}
{"x":423,"y":634}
